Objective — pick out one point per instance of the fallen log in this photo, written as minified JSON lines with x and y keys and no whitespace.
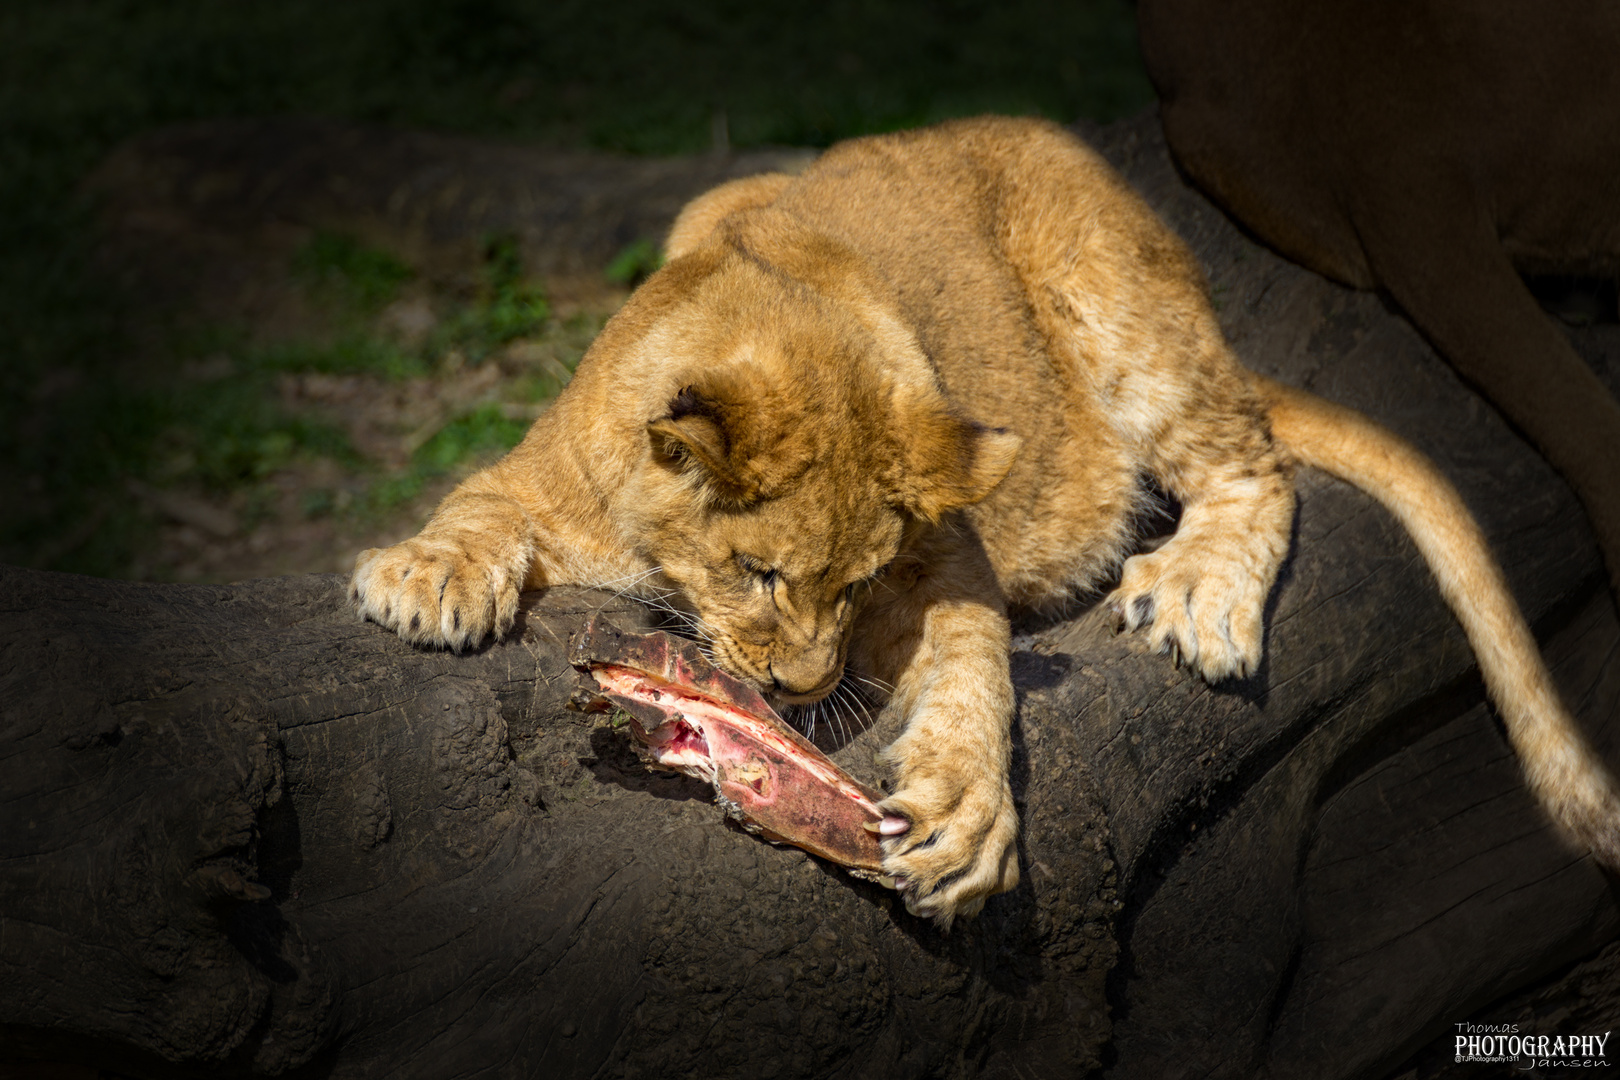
{"x":243,"y":834}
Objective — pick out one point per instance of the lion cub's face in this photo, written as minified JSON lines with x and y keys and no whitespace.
{"x":795,"y":441}
{"x":778,"y":585}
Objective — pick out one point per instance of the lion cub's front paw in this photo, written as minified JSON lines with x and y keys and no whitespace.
{"x":1206,"y":609}
{"x":435,"y":591}
{"x":949,"y":837}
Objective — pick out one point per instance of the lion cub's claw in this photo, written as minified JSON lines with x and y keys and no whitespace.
{"x":1204,"y":612}
{"x":966,"y":854}
{"x":432,"y":592}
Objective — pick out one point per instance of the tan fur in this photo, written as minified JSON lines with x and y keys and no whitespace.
{"x":1562,"y":771}
{"x":864,"y":410}
{"x":699,"y":217}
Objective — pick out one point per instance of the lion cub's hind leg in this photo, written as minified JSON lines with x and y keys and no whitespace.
{"x":1123,"y":308}
{"x":1203,"y":593}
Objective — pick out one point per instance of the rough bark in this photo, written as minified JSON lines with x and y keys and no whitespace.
{"x":243,"y":834}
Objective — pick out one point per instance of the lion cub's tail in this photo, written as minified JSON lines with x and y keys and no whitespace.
{"x":1563,"y":771}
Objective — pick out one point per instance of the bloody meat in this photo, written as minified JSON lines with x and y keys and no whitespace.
{"x":694,"y":718}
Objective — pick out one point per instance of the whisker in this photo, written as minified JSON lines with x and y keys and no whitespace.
{"x":857,"y":708}
{"x":689,"y":621}
{"x":608,"y":583}
{"x":857,"y":701}
{"x":630,"y":581}
{"x":839,"y":726}
{"x":621,"y":586}
{"x":634,"y":586}
{"x":876,"y":684}
{"x":844,"y":697}
{"x":807,"y":720}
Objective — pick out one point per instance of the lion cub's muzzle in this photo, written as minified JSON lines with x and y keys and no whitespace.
{"x":786,"y":672}
{"x":790,"y":693}
{"x":801,"y":676}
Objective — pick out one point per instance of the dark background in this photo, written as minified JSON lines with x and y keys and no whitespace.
{"x":144,"y":437}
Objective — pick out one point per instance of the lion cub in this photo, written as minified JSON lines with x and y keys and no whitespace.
{"x":864,"y":410}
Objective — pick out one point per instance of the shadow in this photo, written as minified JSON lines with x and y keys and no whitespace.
{"x":1255,"y":688}
{"x":257,"y":929}
{"x":617,"y":763}
{"x":29,"y":1053}
{"x":259,"y":932}
{"x":1008,"y":917}
{"x":1000,"y":945}
{"x":263,"y":935}
{"x":834,"y":722}
{"x":1039,"y":671}
{"x":1575,"y":299}
{"x":280,"y":848}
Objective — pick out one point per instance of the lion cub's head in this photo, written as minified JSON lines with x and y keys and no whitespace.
{"x":796,"y":441}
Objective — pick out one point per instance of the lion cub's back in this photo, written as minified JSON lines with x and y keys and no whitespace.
{"x":920,"y":208}
{"x":967,"y":220}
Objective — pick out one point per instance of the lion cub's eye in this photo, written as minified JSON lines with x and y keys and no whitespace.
{"x":873,"y":578}
{"x":848,"y":595}
{"x":766,"y":575}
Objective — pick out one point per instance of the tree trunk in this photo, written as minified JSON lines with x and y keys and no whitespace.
{"x":243,"y":834}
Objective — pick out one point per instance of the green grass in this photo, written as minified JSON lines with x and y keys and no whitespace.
{"x":84,"y":407}
{"x":506,"y":307}
{"x":222,"y":429}
{"x":482,"y":433}
{"x":349,"y":275}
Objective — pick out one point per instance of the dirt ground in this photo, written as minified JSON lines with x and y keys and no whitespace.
{"x":328,"y":326}
{"x":307,"y":517}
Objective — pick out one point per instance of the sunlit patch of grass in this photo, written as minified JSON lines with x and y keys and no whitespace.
{"x":339,"y":268}
{"x":222,"y":430}
{"x":505,"y":308}
{"x":484,"y":431}
{"x":246,"y":438}
{"x":482,"y":434}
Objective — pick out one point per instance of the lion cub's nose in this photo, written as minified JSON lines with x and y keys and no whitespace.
{"x":804,"y":676}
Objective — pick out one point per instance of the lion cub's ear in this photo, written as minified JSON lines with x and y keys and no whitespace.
{"x":949,"y":461}
{"x":742,"y":448}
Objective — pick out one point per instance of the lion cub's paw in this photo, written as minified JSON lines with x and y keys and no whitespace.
{"x":1205,"y":610}
{"x":959,"y":846}
{"x":434,"y":591}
